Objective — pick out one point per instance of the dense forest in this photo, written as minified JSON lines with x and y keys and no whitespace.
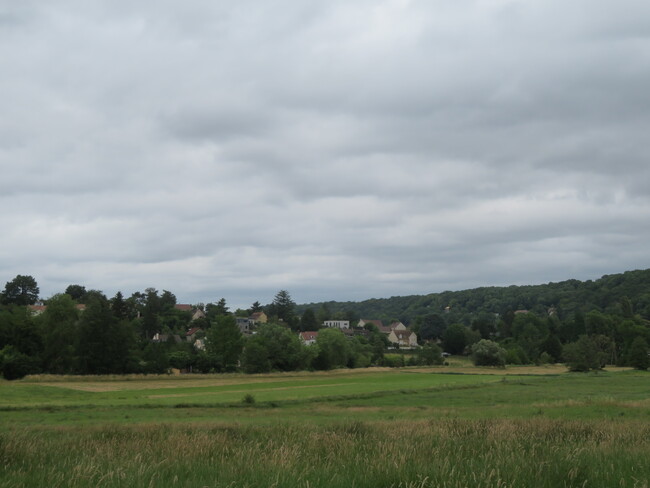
{"x":585,"y":324}
{"x":564,"y":298}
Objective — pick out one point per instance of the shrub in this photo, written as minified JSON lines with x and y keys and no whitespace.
{"x":488,"y":353}
{"x":637,"y":356}
{"x":516,"y":355}
{"x":584,"y":354}
{"x":429,"y":354}
{"x":546,"y":358}
{"x":15,"y":365}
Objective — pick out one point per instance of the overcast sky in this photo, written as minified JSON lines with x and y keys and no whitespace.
{"x":340,"y":150}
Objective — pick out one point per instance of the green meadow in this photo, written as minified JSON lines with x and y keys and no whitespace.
{"x":406,"y":427}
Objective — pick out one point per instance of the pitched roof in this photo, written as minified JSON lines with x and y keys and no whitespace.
{"x":193,"y":331}
{"x":184,"y":307}
{"x":403,"y":334}
{"x":309,"y":335}
{"x":378,"y":323}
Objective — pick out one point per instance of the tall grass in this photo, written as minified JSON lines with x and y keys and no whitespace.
{"x":429,"y":453}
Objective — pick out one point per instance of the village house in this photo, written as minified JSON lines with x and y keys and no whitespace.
{"x":404,"y":339}
{"x":338,"y":324}
{"x":258,"y":318}
{"x":196,"y":337}
{"x":192,"y":334}
{"x":387,"y":329}
{"x":36,"y":309}
{"x":196,"y":313}
{"x":308,"y":338}
{"x":378,"y":323}
{"x":244,"y":324}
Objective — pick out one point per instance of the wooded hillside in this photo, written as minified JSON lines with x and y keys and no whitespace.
{"x":566,"y":297}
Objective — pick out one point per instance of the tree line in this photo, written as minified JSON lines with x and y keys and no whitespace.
{"x":586,"y":324}
{"x":115,"y":335}
{"x":566,"y":298}
{"x":145,"y":333}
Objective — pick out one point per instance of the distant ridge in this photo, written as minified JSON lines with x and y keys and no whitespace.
{"x":565,"y":298}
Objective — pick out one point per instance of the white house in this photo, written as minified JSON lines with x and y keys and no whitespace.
{"x":337,"y":324}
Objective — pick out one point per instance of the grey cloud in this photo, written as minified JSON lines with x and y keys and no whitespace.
{"x":246,"y":147}
{"x":217,"y":124}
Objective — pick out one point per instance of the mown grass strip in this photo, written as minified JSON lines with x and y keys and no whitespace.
{"x":257,"y":404}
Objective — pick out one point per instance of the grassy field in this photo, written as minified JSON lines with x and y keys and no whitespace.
{"x":410,"y":427}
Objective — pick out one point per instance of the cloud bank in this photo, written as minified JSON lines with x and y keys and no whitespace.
{"x":340,"y":150}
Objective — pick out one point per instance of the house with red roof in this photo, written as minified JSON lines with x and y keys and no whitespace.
{"x":308,"y":338}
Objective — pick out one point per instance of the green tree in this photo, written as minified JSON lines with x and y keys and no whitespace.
{"x":22,"y":290}
{"x":485,"y":325}
{"x":155,"y":359}
{"x":76,"y":292}
{"x":488,"y":353}
{"x":637,"y":355}
{"x":255,"y":357}
{"x":14,"y":364}
{"x":430,"y":354}
{"x":18,"y":329}
{"x":119,"y":307}
{"x":219,"y":309}
{"x":530,"y":331}
{"x":323,"y":313}
{"x":224,"y":343}
{"x":361,"y":352}
{"x":334,"y":349}
{"x":597,"y":323}
{"x":59,"y":331}
{"x":379,"y":343}
{"x":454,"y":339}
{"x":284,"y":349}
{"x":308,"y":320}
{"x":151,"y":313}
{"x":283,"y":306}
{"x":626,"y":307}
{"x":432,"y":326}
{"x":516,"y":355}
{"x":584,"y":354}
{"x":180,"y":359}
{"x":104,"y":344}
{"x":553,"y":347}
{"x":167,"y":301}
{"x":351,"y":316}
